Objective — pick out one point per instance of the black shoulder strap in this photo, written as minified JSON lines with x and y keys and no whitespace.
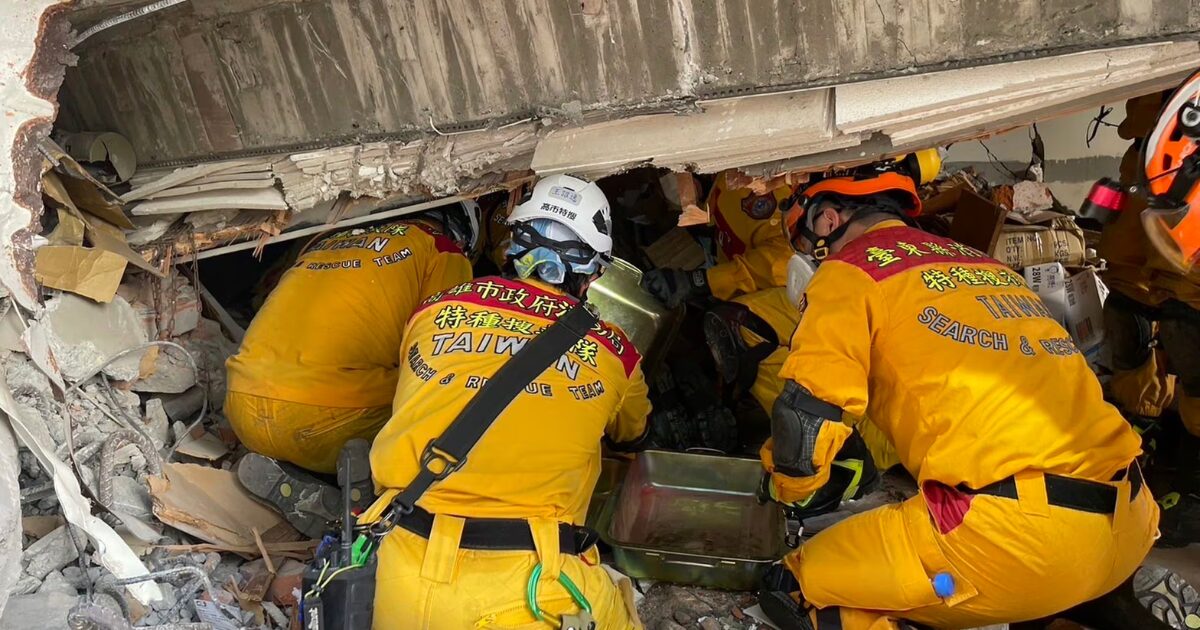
{"x":448,"y":452}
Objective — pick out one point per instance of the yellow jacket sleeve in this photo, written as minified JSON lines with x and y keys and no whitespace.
{"x":831,"y":349}
{"x":447,"y":269}
{"x":629,"y":423}
{"x":762,"y":267}
{"x":830,"y":357}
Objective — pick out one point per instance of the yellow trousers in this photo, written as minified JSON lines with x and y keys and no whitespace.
{"x":305,"y":435}
{"x":1011,"y":560}
{"x":435,"y":585}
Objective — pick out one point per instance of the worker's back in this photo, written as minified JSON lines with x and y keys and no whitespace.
{"x":963,"y":367}
{"x":329,"y":334}
{"x":541,"y":456}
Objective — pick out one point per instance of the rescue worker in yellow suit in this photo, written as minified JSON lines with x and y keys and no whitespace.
{"x":1030,"y":499}
{"x":749,"y":338}
{"x":752,"y":253}
{"x":1152,"y":325}
{"x":319,"y":363}
{"x":466,"y":557}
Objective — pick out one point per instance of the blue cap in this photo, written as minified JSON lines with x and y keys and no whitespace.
{"x":943,"y":585}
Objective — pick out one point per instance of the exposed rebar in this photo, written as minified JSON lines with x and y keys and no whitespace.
{"x":108,"y":460}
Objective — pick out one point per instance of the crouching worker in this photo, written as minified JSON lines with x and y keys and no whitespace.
{"x":1030,"y":500}
{"x":498,"y":542}
{"x":319,"y":363}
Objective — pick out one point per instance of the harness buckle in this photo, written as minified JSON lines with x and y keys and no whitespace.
{"x":432,"y":454}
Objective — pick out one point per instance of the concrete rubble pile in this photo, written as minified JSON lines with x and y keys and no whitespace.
{"x":116,"y":386}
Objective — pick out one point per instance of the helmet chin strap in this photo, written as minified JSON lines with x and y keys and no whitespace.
{"x":821,"y":244}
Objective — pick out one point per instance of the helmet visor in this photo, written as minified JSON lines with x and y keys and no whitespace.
{"x":1175,"y":233}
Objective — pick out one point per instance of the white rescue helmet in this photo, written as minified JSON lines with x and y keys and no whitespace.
{"x":462,"y":224}
{"x":575,"y":203}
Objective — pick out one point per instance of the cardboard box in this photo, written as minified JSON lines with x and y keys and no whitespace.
{"x":1053,"y":238}
{"x":1076,"y":300}
{"x":977,"y":221}
{"x":1015,"y":239}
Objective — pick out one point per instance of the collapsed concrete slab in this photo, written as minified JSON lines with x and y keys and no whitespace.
{"x":85,"y":334}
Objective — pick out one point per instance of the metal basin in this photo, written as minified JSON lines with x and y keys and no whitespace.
{"x":612,"y":472}
{"x":693,"y":519}
{"x":648,"y":323}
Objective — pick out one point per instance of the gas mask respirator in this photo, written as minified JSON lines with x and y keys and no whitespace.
{"x":800,"y":270}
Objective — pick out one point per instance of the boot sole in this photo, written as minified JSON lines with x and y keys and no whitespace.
{"x":1168,"y":597}
{"x":292,"y":492}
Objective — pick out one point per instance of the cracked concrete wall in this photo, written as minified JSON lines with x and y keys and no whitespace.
{"x":32,"y":54}
{"x":225,"y":76}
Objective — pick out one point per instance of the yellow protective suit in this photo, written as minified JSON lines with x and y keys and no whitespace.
{"x":538,"y":461}
{"x":970,"y":378}
{"x":752,"y":252}
{"x":318,"y":365}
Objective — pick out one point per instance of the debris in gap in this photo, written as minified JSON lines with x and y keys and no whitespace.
{"x":157,"y":423}
{"x":231,"y":326}
{"x":149,"y":229}
{"x":90,"y":272}
{"x":84,"y":335}
{"x":109,"y":156}
{"x":38,"y":526}
{"x":206,"y":446}
{"x":211,"y":504}
{"x":211,"y":218}
{"x":165,"y":372}
{"x":169,"y":305}
{"x":180,"y":407}
{"x":69,"y":230}
{"x":50,"y":553}
{"x":1030,"y":196}
{"x":37,"y":611}
{"x":71,"y":185}
{"x":285,"y":588}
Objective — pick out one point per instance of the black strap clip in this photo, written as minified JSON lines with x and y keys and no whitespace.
{"x":448,"y":462}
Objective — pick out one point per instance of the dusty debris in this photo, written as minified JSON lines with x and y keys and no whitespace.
{"x":285,"y":588}
{"x":130,"y":497}
{"x":50,"y":553}
{"x":38,"y":526}
{"x":206,"y":446}
{"x":169,"y":307}
{"x":157,"y":422}
{"x":1030,"y":196}
{"x":181,"y":407}
{"x":84,"y":335}
{"x":38,"y":611}
{"x":165,"y":371}
{"x":673,"y":606}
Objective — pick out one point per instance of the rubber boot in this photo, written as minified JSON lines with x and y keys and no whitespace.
{"x":308,"y":503}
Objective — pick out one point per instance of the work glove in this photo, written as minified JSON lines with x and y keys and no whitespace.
{"x":675,"y":286}
{"x":852,"y":475}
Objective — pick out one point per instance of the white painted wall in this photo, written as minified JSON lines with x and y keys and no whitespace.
{"x":1072,"y":166}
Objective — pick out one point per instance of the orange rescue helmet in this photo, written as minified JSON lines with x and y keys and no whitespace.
{"x":1172,"y":171}
{"x":900,"y":189}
